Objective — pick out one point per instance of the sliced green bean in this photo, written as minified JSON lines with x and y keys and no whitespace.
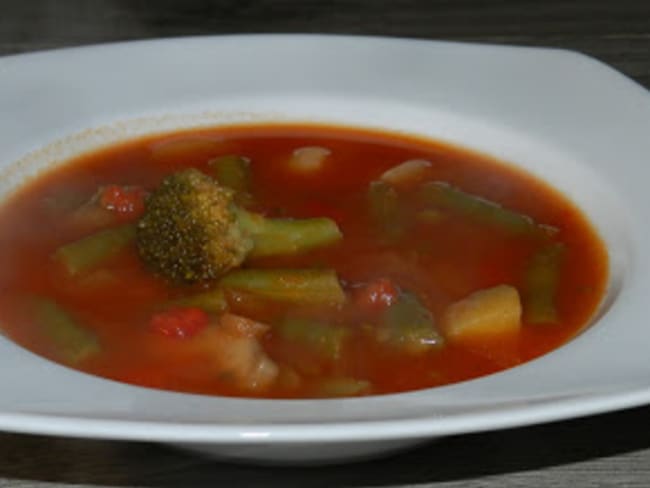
{"x":541,"y":282}
{"x":384,"y":208}
{"x":326,"y":340}
{"x":212,"y":301}
{"x":90,"y":251}
{"x":297,"y":286}
{"x":71,"y":342}
{"x":274,"y":237}
{"x":233,"y":171}
{"x":342,"y":387}
{"x":442,"y":195}
{"x":408,"y":325}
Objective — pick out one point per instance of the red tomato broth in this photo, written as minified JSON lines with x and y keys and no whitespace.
{"x":441,"y":262}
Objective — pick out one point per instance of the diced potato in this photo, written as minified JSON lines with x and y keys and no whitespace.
{"x":309,"y":158}
{"x":406,"y":172}
{"x":239,"y":355}
{"x":489,"y":313}
{"x":242,"y":326}
{"x":244,"y":361}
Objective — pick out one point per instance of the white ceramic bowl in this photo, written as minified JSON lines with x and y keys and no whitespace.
{"x":563,"y":116}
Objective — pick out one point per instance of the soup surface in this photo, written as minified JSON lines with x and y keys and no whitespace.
{"x":293,"y":261}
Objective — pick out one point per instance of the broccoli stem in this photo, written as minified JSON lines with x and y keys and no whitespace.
{"x":88,"y":252}
{"x":274,"y":237}
{"x":72,"y":343}
{"x":297,"y":286}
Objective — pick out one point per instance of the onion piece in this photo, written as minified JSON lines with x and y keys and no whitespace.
{"x":309,"y":158}
{"x":406,"y":171}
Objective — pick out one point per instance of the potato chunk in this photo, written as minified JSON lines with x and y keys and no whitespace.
{"x":489,"y":313}
{"x":240,"y":356}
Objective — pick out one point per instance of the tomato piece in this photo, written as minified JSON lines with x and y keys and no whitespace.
{"x":123,"y":199}
{"x":179,"y":323}
{"x":376,"y":295}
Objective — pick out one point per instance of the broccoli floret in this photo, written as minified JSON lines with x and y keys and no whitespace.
{"x":193,"y":231}
{"x":189,"y":231}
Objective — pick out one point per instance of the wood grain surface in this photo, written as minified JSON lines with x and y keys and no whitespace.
{"x":601,"y":451}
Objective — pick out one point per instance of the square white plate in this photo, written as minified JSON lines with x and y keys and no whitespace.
{"x":563,"y":116}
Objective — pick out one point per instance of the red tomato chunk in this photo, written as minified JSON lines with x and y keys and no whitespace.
{"x":179,"y":323}
{"x":123,"y":199}
{"x":376,"y":295}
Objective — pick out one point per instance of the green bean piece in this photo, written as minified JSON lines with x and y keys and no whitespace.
{"x":409,"y":326}
{"x":384,"y":208}
{"x":444,"y":196}
{"x":274,"y":237}
{"x":541,"y":282}
{"x":212,"y":301}
{"x":88,"y":252}
{"x":72,"y":342}
{"x":430,"y":216}
{"x":324,"y":339}
{"x":297,"y":286}
{"x":342,"y":387}
{"x":232,"y":171}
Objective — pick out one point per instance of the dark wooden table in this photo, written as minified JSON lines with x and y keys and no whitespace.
{"x":607,"y":450}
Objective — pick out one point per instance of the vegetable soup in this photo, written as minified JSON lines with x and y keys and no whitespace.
{"x":293,"y":261}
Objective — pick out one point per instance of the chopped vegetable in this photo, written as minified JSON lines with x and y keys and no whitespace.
{"x":232,"y":171}
{"x":342,"y":387}
{"x":90,"y":217}
{"x":384,"y":208}
{"x":375,"y":296}
{"x":92,"y":250}
{"x":309,"y":158}
{"x":409,"y":326}
{"x":179,"y":323}
{"x":297,"y":286}
{"x":71,"y":342}
{"x":275,"y":237}
{"x":541,"y":284}
{"x":212,"y":301}
{"x":489,"y":313}
{"x":242,"y":326}
{"x":326,"y":340}
{"x":406,"y":172}
{"x":125,"y":200}
{"x":237,"y":354}
{"x":444,"y":196}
